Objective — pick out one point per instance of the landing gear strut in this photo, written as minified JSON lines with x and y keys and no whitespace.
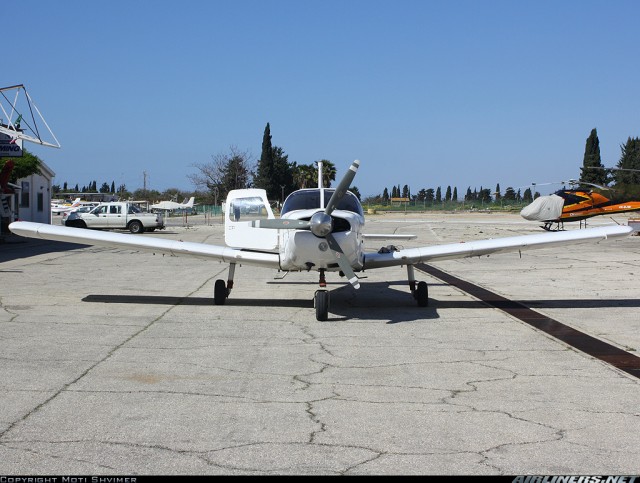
{"x":321,"y":299}
{"x":419,"y":292}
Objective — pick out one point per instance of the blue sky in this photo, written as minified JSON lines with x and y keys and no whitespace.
{"x":425,"y":93}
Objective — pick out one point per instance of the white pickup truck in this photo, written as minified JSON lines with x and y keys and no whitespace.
{"x":116,"y":215}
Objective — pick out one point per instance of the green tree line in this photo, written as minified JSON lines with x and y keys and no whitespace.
{"x":274,"y":172}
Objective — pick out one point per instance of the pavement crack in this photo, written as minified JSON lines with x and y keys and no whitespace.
{"x":116,"y":348}
{"x":12,"y":315}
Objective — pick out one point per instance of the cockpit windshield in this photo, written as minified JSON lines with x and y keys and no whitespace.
{"x":571,"y":198}
{"x":309,"y":199}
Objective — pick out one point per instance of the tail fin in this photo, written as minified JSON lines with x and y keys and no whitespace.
{"x":190,"y":203}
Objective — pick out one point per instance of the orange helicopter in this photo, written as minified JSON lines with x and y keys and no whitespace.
{"x":576,"y":204}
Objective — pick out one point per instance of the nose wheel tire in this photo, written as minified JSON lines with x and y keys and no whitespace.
{"x":321,"y":302}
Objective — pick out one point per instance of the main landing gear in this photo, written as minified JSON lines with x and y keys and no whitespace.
{"x":221,"y":290}
{"x":420,"y":291}
{"x":321,"y":298}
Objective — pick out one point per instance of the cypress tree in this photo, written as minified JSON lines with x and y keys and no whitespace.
{"x":274,"y":173}
{"x":264,"y":171}
{"x":592,"y":170}
{"x":629,"y":159}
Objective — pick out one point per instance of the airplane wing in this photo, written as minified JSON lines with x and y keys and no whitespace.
{"x":383,"y":258}
{"x":387,"y":258}
{"x":150,"y":244}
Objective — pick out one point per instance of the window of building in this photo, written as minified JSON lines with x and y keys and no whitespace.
{"x":25,"y":195}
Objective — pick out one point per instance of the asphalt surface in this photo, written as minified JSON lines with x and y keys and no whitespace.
{"x":118,"y":362}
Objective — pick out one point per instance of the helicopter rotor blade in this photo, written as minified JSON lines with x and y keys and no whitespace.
{"x":613,"y":169}
{"x":575,"y":182}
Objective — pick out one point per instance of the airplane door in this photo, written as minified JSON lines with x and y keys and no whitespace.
{"x":241,"y":208}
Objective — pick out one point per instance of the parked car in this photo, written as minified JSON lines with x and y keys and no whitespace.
{"x":116,"y":215}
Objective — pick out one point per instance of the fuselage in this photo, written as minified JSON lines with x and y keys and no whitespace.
{"x":579,"y":205}
{"x":575,"y":205}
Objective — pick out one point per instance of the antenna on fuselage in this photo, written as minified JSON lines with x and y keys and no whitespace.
{"x":320,"y":187}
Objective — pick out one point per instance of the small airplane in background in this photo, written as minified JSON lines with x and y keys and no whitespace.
{"x":319,"y":229}
{"x":172,"y":205}
{"x":577,"y":204}
{"x":59,"y":208}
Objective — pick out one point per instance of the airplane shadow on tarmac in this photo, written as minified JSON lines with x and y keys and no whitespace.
{"x":170,"y":300}
{"x":19,"y":247}
{"x":373,"y":301}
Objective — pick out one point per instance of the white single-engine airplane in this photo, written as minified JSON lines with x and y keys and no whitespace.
{"x":319,"y":229}
{"x":59,"y":208}
{"x":172,"y":205}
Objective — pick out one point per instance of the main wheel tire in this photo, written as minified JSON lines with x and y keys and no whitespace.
{"x":422,"y":294}
{"x":321,"y":302}
{"x":220,"y":292}
{"x":136,"y":227}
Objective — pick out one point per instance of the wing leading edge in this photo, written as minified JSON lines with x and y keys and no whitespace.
{"x":498,"y":245}
{"x":150,"y":244}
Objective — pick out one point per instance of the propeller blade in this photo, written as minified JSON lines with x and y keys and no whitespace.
{"x":344,"y":264}
{"x":281,"y":224}
{"x":342,"y":188}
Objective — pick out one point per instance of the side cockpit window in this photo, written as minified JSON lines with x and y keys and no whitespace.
{"x":248,"y":209}
{"x":571,"y":198}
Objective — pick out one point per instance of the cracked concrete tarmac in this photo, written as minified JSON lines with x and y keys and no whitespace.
{"x":117,"y":362}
